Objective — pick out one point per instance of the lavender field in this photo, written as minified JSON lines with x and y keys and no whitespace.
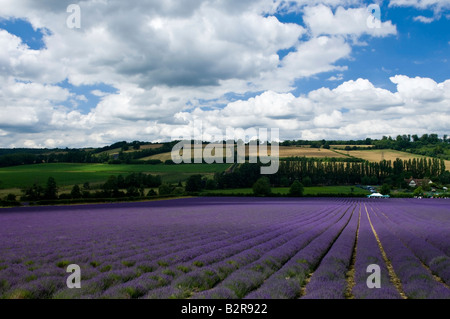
{"x":228,"y":248}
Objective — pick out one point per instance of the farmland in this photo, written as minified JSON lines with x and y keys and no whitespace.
{"x":228,"y":248}
{"x":142,"y":147}
{"x":294,"y":151}
{"x":284,"y":151}
{"x":389,"y":155}
{"x":70,"y":174}
{"x":336,"y":151}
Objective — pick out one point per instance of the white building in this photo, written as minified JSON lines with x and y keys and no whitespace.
{"x":375,"y":195}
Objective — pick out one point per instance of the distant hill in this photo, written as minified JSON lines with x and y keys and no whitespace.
{"x":428,"y":145}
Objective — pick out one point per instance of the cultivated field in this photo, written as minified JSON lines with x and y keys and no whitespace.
{"x":168,"y":156}
{"x":389,"y":155}
{"x":294,"y":151}
{"x":131,"y":150}
{"x":228,"y":248}
{"x":162,"y":157}
{"x":70,"y":174}
{"x":284,"y":151}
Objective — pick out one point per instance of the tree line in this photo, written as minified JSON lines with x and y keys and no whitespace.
{"x":354,"y":172}
{"x":318,"y":172}
{"x":132,"y":185}
{"x":82,"y":156}
{"x":427,"y":144}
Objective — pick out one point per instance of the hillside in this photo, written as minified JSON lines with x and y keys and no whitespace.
{"x":320,"y":162}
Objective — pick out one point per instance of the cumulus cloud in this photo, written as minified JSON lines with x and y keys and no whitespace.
{"x":28,"y":106}
{"x":166,"y":61}
{"x":354,"y":109}
{"x":152,"y":44}
{"x":353,"y":21}
{"x":316,"y":55}
{"x":420,"y":89}
{"x":358,"y":94}
{"x":328,"y":120}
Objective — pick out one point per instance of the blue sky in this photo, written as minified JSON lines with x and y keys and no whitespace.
{"x":23,"y":29}
{"x":144,"y":74}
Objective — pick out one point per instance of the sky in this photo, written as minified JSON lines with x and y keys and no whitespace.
{"x":153,"y":70}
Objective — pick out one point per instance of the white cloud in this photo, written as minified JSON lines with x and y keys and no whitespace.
{"x":356,"y":95}
{"x":19,"y":61}
{"x":328,"y":120}
{"x":355,"y":109}
{"x":165,"y":60}
{"x":81,"y":98}
{"x":153,"y":44}
{"x":353,"y":21}
{"x":316,"y":56}
{"x":298,"y":5}
{"x":438,"y":5}
{"x":338,"y":77}
{"x":99,"y":93}
{"x":28,"y":106}
{"x":420,"y":89}
{"x":423,"y":19}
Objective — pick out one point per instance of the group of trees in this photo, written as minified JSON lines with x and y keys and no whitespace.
{"x":360,"y":172}
{"x":16,"y":157}
{"x":262,"y":187}
{"x":134,"y":185}
{"x":37,"y":192}
{"x":322,"y":143}
{"x":311,"y":171}
{"x":427,"y":144}
{"x":66,"y":156}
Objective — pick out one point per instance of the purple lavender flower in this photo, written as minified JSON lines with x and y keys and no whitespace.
{"x":225,"y":248}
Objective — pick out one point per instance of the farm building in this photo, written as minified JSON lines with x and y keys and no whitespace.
{"x":377,"y":195}
{"x":415,"y":182}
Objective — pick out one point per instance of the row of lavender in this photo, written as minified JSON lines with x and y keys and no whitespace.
{"x":424,"y":270}
{"x":177,"y":279}
{"x":428,"y":220}
{"x":115,"y":244}
{"x":343,"y":271}
{"x":224,"y":248}
{"x":418,"y":269}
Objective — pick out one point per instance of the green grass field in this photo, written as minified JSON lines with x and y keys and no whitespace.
{"x":71,"y":174}
{"x":309,"y":191}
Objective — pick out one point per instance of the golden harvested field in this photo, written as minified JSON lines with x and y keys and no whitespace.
{"x":284,"y":151}
{"x":167,"y":156}
{"x":162,"y":157}
{"x":389,"y":155}
{"x":293,"y":151}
